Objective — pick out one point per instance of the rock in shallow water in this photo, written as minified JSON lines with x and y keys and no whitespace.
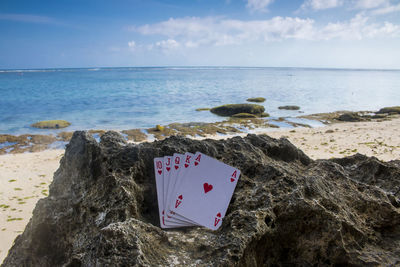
{"x":287,"y":209}
{"x":52,"y":124}
{"x":289,"y":107}
{"x":395,"y":110}
{"x":232,"y":109}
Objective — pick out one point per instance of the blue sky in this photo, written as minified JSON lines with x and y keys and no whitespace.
{"x":271,"y":33}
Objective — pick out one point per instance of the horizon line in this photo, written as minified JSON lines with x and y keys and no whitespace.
{"x":196,"y":66}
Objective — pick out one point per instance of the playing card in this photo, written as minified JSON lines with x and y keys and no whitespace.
{"x":204,"y":195}
{"x":159,"y":176}
{"x":177,"y":160}
{"x":167,"y":172}
{"x":181,"y":163}
{"x":185,"y":165}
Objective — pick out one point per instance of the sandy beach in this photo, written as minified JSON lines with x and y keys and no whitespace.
{"x":25,"y":177}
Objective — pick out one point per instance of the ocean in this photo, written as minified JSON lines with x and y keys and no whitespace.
{"x":126,"y":98}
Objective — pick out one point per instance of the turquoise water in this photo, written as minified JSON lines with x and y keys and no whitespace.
{"x":125,"y":98}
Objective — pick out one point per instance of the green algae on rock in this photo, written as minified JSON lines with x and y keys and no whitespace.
{"x":256,"y":99}
{"x":263,"y":115}
{"x":232,"y":109}
{"x":159,"y":128}
{"x":395,"y":109}
{"x":244,"y":115}
{"x":52,"y":124}
{"x":289,"y":107}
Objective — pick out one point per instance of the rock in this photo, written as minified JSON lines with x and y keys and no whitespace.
{"x":329,"y":131}
{"x":286,"y":210}
{"x":264,"y":114}
{"x":53,"y":124}
{"x":379,"y":116}
{"x":135,"y":135}
{"x":350,"y":116}
{"x":160,"y":128}
{"x":244,"y":115}
{"x":202,"y":109}
{"x":289,"y":107}
{"x":395,"y":110}
{"x":256,"y":99}
{"x":65,"y":136}
{"x":232,"y":109}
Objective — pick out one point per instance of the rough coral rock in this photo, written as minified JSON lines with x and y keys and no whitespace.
{"x":287,"y":209}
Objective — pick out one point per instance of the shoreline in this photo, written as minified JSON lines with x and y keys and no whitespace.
{"x":25,"y":177}
{"x":14,"y":144}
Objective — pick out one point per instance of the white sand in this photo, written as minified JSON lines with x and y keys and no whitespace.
{"x":24,"y":179}
{"x":378,"y":139}
{"x":33,"y":172}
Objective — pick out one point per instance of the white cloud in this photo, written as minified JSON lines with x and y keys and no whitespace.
{"x":216,"y":31}
{"x":321,"y":4}
{"x":386,"y":10}
{"x":167,"y":44}
{"x":132,"y":44}
{"x":368,"y":4}
{"x":358,"y":28}
{"x":194,"y":32}
{"x":258,"y":5}
{"x":380,"y":6}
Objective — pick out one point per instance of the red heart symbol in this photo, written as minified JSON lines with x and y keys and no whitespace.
{"x":180,"y":197}
{"x":207,"y":187}
{"x":219,"y":214}
{"x":186,"y":165}
{"x":176,"y":167}
{"x":196,"y":163}
{"x":159,"y":172}
{"x":168,"y":168}
{"x":232,"y":180}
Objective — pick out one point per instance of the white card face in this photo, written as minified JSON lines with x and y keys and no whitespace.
{"x":185,"y":165}
{"x":174,"y":170}
{"x":159,"y":176}
{"x":204,"y":195}
{"x":167,"y":173}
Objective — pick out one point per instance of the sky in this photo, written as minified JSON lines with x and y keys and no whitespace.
{"x":256,"y":33}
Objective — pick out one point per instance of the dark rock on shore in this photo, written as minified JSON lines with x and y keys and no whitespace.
{"x":287,"y":209}
{"x":350,"y":116}
{"x":389,"y":110}
{"x":232,"y":109}
{"x":256,"y":99}
{"x":289,"y":107}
